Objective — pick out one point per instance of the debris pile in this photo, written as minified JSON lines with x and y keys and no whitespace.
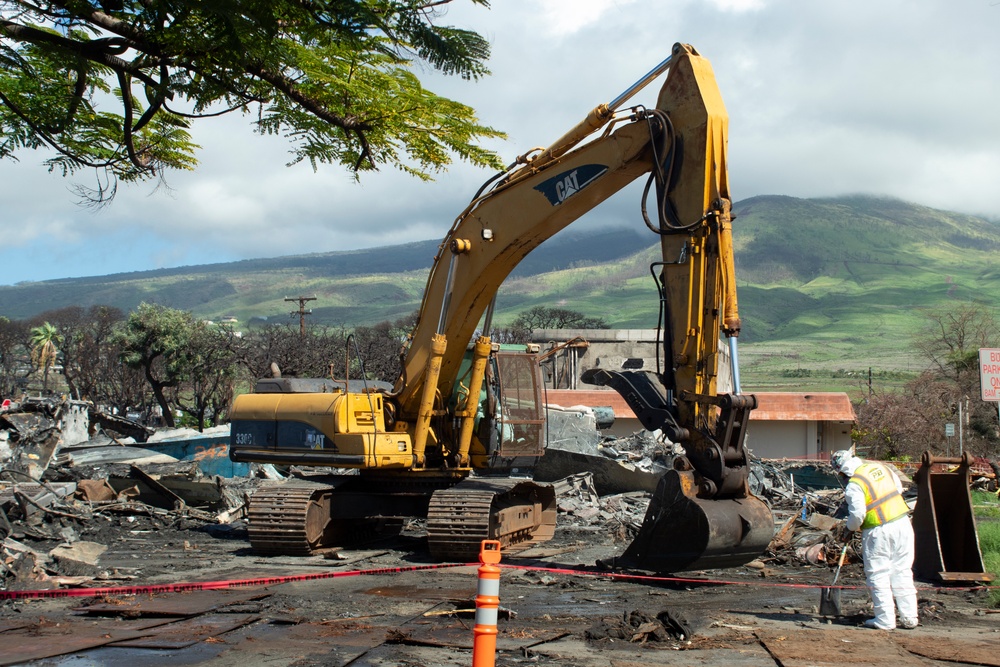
{"x":61,"y":491}
{"x":54,"y":532}
{"x":31,"y":431}
{"x":62,"y":486}
{"x":808,"y":521}
{"x":638,"y":627}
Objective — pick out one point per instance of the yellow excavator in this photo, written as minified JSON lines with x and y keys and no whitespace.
{"x":455,"y":438}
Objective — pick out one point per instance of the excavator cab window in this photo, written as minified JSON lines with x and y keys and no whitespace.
{"x":521,"y":413}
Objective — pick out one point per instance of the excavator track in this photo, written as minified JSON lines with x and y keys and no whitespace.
{"x":288,"y":519}
{"x":518,"y":513}
{"x":295,"y":520}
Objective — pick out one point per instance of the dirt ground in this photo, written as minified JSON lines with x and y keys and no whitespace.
{"x":390,"y":605}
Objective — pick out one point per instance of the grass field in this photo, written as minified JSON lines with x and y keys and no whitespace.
{"x":987,"y":510}
{"x":809,"y":367}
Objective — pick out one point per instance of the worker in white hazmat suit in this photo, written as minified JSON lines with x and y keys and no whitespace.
{"x":875,"y":505}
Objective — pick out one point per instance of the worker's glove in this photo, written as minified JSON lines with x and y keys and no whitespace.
{"x":843,"y":535}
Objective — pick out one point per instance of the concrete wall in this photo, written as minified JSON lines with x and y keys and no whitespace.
{"x":610,"y":349}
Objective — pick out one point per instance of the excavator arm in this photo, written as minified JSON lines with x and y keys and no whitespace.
{"x":489,"y":239}
{"x":681,"y":145}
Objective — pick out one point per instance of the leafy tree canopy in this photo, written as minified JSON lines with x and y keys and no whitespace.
{"x":543,"y":317}
{"x":115,"y":84}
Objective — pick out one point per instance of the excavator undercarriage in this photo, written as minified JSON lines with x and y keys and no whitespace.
{"x":302,"y":517}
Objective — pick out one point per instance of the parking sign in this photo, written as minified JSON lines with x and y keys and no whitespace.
{"x":989,"y":373}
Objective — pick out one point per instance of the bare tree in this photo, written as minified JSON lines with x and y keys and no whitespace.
{"x":543,"y":317}
{"x":283,"y":346}
{"x":904,"y":424}
{"x":952,"y":337}
{"x":14,"y":355}
{"x":379,"y":348}
{"x":912,"y":421}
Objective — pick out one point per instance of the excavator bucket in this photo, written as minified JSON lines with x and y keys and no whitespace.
{"x":944,"y":526}
{"x":683,"y":532}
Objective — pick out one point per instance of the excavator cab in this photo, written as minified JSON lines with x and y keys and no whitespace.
{"x":514,"y":381}
{"x":509,"y":421}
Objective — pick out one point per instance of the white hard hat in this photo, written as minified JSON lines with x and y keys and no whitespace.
{"x":845,"y":461}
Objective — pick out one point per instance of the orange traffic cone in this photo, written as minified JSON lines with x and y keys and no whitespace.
{"x":484,"y":643}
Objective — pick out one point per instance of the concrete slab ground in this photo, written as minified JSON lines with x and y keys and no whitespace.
{"x":372,"y":608}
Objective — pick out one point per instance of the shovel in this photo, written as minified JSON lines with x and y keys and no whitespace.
{"x":829,"y":603}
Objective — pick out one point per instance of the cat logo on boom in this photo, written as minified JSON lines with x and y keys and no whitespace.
{"x":561,"y":187}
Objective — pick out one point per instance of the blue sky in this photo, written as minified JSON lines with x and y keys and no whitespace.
{"x":892,"y":97}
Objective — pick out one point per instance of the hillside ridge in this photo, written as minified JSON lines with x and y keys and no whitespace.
{"x":846,"y":277}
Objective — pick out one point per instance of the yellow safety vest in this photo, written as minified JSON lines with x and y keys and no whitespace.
{"x":883,"y":502}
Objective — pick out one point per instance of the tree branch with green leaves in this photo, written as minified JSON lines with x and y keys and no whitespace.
{"x":115,"y":85}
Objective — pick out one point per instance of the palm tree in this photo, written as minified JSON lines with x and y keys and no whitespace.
{"x":43,"y":349}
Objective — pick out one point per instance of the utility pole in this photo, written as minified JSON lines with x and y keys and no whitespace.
{"x":301,"y":312}
{"x":960,"y":429}
{"x":963,"y":420}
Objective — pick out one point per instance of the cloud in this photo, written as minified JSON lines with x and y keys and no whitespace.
{"x":737,"y":6}
{"x":564,"y":18}
{"x":892,"y":97}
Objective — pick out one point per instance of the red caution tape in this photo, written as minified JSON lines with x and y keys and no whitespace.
{"x":274,"y":581}
{"x":716,"y":582}
{"x":211,"y":585}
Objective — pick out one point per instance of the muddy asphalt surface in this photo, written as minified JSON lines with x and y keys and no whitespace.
{"x":361,"y":611}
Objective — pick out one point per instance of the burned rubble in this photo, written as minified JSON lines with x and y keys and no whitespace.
{"x":115,"y":513}
{"x":64,"y":498}
{"x":65,"y":490}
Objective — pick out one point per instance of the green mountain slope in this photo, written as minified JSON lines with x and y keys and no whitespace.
{"x":823,"y":283}
{"x":834,"y":286}
{"x":352,"y":287}
{"x":841,"y":276}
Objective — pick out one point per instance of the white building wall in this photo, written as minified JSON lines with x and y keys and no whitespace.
{"x":777,"y":440}
{"x":836,"y":435}
{"x":797,"y":439}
